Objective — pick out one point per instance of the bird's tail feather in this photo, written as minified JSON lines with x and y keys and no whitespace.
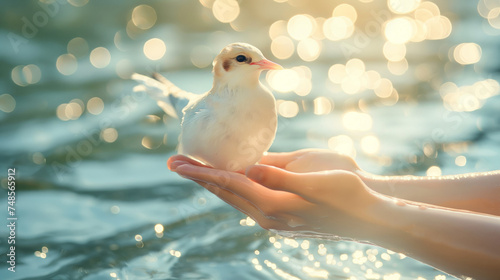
{"x":167,"y":95}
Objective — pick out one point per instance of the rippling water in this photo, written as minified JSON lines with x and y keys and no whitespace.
{"x":94,"y":198}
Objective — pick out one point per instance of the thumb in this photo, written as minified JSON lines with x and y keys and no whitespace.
{"x":282,"y":180}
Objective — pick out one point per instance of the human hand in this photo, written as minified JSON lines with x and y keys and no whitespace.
{"x":328,"y":204}
{"x":323,"y":204}
{"x":310,"y":160}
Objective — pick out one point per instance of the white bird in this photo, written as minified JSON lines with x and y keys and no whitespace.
{"x":233,"y":124}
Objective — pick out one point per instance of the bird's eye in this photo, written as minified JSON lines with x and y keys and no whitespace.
{"x":241,"y":58}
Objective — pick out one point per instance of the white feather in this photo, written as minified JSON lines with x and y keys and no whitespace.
{"x":167,"y":95}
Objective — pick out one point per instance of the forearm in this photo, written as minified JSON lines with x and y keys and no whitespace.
{"x":458,"y":243}
{"x":479,"y":192}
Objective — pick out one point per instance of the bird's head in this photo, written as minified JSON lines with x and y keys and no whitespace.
{"x":241,"y":63}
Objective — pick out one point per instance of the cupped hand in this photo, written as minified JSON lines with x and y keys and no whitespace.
{"x":310,"y":160}
{"x":309,"y":204}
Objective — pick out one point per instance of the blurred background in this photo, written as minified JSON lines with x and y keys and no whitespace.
{"x":404,"y":86}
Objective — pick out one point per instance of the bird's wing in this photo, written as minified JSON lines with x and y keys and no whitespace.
{"x":168,"y":96}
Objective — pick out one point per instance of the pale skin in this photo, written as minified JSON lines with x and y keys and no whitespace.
{"x":449,"y":222}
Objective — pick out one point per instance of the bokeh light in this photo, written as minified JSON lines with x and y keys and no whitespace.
{"x":383,"y":88}
{"x":460,"y":160}
{"x":434,"y":171}
{"x":429,"y":7}
{"x":109,"y":134}
{"x":494,"y":17}
{"x":124,"y":68}
{"x":26,"y":75}
{"x":288,"y":109}
{"x":420,"y":31}
{"x":283,"y":81}
{"x":318,"y":29}
{"x":337,"y":73}
{"x":355,"y":67}
{"x":403,"y":6}
{"x":118,"y":40}
{"x":226,"y":10}
{"x":392,"y":99}
{"x":207,"y":3}
{"x":144,"y":17}
{"x":32,"y":73}
{"x":282,"y":47}
{"x":38,"y":158}
{"x":300,"y":27}
{"x":66,"y":64}
{"x":138,"y":237}
{"x":132,"y":30}
{"x":278,"y":28}
{"x":467,"y":53}
{"x":304,"y":84}
{"x":322,"y":105}
{"x":202,"y":56}
{"x":115,"y":209}
{"x":154,"y":49}
{"x":159,"y":228}
{"x":18,"y":77}
{"x":338,"y":28}
{"x":345,"y":10}
{"x":468,"y":98}
{"x":399,"y":30}
{"x":100,"y":57}
{"x":370,"y":79}
{"x":78,"y":47}
{"x":351,"y":84}
{"x":7,"y":103}
{"x":70,"y":111}
{"x":78,"y":3}
{"x":175,"y":253}
{"x":438,"y":27}
{"x":95,"y":105}
{"x":398,"y":67}
{"x":309,"y":49}
{"x":61,"y":112}
{"x":394,"y":52}
{"x":151,"y":143}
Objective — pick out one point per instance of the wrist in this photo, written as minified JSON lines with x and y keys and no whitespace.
{"x":381,"y":184}
{"x":388,"y":221}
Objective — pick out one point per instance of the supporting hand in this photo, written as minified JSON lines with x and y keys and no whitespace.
{"x":296,"y":196}
{"x":325,"y":203}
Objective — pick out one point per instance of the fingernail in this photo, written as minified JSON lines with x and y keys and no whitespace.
{"x":254,"y":173}
{"x":177,"y":163}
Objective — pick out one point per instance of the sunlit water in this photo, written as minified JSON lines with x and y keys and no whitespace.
{"x":94,"y":198}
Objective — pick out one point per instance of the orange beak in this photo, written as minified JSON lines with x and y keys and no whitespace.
{"x":265,"y":64}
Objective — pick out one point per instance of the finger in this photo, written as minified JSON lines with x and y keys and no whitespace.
{"x":285,"y":221}
{"x":230,"y":198}
{"x":282,"y":159}
{"x":279,"y":159}
{"x":236,"y":183}
{"x":265,"y":220}
{"x":272,"y":204}
{"x":282,"y":180}
{"x":174,"y":161}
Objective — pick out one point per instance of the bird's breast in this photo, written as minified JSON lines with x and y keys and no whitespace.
{"x":231,"y":133}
